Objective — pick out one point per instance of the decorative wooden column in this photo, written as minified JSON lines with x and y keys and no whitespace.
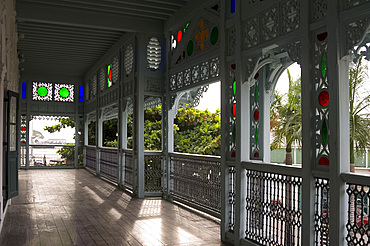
{"x":139,"y":113}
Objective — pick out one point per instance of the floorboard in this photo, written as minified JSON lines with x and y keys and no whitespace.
{"x":73,"y":207}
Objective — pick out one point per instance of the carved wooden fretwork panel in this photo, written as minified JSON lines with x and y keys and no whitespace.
{"x":294,"y":51}
{"x":354,"y":33}
{"x":115,"y":69}
{"x":128,"y":59}
{"x":272,"y":23}
{"x":127,"y":88}
{"x":196,"y":74}
{"x":319,"y":10}
{"x":354,"y":3}
{"x":231,"y":41}
{"x":154,"y":85}
{"x":102,"y":78}
{"x":269,"y":24}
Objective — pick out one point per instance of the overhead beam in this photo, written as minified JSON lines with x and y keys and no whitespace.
{"x":56,"y":34}
{"x":81,"y":6}
{"x":78,"y":18}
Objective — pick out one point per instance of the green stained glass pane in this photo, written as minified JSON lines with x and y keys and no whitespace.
{"x":324,"y":133}
{"x":256,"y":135}
{"x":64,"y":92}
{"x":234,"y":88}
{"x":190,"y":48}
{"x":23,"y":121}
{"x":323,"y":65}
{"x":256,"y":94}
{"x":234,"y":133}
{"x":23,"y":136}
{"x":187,"y":25}
{"x":214,"y":35}
{"x":42,"y":91}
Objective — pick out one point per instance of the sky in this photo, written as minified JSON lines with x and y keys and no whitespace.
{"x":212,"y":98}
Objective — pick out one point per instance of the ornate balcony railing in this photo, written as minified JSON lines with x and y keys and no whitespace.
{"x":90,"y":158}
{"x":129,"y":169}
{"x":109,"y":163}
{"x":322,"y":202}
{"x":273,"y":206}
{"x":196,"y":180}
{"x":153,"y":171}
{"x":232,"y":194}
{"x":358,"y":191}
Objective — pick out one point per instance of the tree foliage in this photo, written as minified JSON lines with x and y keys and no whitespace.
{"x":65,"y":152}
{"x":286,"y":116}
{"x":197,"y":131}
{"x":359,"y":102}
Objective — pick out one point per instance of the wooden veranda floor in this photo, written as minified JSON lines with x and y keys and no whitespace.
{"x":73,"y":207}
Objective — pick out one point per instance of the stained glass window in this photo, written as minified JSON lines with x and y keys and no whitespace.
{"x":233,"y":115}
{"x":64,"y":93}
{"x":322,"y":97}
{"x":109,"y":76}
{"x":81,"y":93}
{"x":42,"y":91}
{"x":178,"y":37}
{"x":256,"y":102}
{"x":232,"y":6}
{"x":24,"y":90}
{"x":23,"y":129}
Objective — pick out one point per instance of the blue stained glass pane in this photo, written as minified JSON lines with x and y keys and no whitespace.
{"x":232,"y":6}
{"x":81,"y":93}
{"x":24,"y":90}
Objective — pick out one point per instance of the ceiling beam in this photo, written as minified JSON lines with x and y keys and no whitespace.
{"x":72,"y":17}
{"x":65,"y":28}
{"x":81,"y":6}
{"x":66,"y":41}
{"x":58,"y":33}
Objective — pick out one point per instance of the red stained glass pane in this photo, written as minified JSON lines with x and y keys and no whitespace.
{"x":324,"y":161}
{"x":322,"y":36}
{"x":234,"y":109}
{"x":179,"y":36}
{"x":23,"y":128}
{"x":256,"y":76}
{"x":233,"y":154}
{"x":256,"y":155}
{"x":324,"y":98}
{"x":256,"y":115}
{"x":233,"y":66}
{"x":110,"y":75}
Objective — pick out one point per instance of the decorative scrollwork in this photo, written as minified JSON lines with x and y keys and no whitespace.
{"x":270,"y":24}
{"x":199,"y":95}
{"x":231,"y":41}
{"x":251,"y":32}
{"x":319,"y":10}
{"x":357,"y":34}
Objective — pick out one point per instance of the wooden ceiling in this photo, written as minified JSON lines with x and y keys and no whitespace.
{"x":69,"y":36}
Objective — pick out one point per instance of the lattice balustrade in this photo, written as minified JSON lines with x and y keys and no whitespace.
{"x":196,"y":180}
{"x":91,"y":158}
{"x":109,"y":164}
{"x":129,"y":169}
{"x":273,"y":208}
{"x":358,"y":232}
{"x":322,"y":212}
{"x":153,"y":173}
{"x":232,"y":200}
